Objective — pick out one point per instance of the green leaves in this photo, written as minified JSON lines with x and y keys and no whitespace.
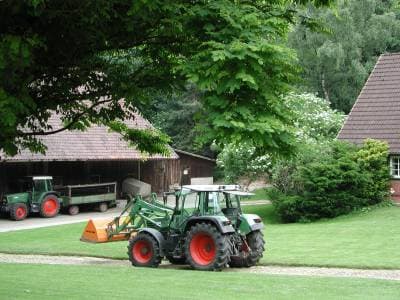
{"x":150,"y":141}
{"x":59,"y":56}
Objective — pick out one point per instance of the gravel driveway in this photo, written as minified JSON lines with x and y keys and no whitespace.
{"x":270,"y":270}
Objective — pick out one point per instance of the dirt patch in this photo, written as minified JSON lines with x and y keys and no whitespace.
{"x":269,"y":270}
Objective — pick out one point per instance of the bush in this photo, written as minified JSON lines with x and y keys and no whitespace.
{"x":328,"y":180}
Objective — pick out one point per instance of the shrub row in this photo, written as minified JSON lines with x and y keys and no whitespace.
{"x":332,"y":179}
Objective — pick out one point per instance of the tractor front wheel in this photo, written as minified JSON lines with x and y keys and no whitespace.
{"x":144,"y":251}
{"x":249,"y":257}
{"x":50,"y":206}
{"x":19,"y":211}
{"x":206,"y":248}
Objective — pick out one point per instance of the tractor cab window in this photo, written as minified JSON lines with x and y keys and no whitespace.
{"x":39,"y":185}
{"x":213,"y":202}
{"x":189,"y":202}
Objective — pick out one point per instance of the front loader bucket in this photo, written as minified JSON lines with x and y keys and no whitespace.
{"x":96,"y":232}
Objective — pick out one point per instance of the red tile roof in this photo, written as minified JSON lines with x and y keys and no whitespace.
{"x":376,"y":113}
{"x":96,"y":143}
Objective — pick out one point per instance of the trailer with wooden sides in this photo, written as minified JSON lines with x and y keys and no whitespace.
{"x":100,"y":196}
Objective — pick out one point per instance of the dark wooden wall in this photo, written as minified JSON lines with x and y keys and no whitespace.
{"x":160,"y":174}
{"x":197,"y":167}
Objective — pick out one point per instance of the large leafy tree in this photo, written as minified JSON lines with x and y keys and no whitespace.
{"x":79,"y":58}
{"x":336,"y":61}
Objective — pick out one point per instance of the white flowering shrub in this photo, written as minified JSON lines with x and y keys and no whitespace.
{"x":312,"y":117}
{"x":241,"y":161}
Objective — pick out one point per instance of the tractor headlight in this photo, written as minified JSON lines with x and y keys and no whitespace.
{"x":258,"y":220}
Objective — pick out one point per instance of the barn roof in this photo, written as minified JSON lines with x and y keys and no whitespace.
{"x":94,"y":144}
{"x":376,"y":113}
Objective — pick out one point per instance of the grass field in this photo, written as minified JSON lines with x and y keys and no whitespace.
{"x":259,"y":194}
{"x":363,"y":240}
{"x":92,"y":282}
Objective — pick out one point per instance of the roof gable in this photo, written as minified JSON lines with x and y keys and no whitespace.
{"x":376,"y":113}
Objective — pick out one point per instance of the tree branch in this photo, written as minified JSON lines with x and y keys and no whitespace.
{"x":75,"y":119}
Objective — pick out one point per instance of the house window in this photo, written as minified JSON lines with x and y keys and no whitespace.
{"x":395,"y":166}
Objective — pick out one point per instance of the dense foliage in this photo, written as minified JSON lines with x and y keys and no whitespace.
{"x":311,"y":120}
{"x":331,"y":179}
{"x":79,"y":58}
{"x":337,"y":61}
{"x":242,"y":162}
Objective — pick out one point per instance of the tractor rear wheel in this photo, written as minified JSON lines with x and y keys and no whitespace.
{"x":50,"y":206}
{"x":250,"y":257}
{"x":19,"y":211}
{"x":144,"y":251}
{"x":206,"y":248}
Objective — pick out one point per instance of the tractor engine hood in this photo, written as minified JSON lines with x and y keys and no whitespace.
{"x":16,"y":198}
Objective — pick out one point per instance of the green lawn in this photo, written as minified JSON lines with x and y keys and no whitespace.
{"x":260,"y":194}
{"x":93,"y":282}
{"x":365,"y":239}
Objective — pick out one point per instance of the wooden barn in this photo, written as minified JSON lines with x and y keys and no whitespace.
{"x":376,"y":113}
{"x":98,"y":155}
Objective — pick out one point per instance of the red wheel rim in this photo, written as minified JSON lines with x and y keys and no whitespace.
{"x":50,"y":207}
{"x":20,"y":212}
{"x":142,"y":252}
{"x":202,"y":249}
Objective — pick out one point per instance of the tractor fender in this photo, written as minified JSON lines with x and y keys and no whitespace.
{"x":157,"y":235}
{"x":222,"y":223}
{"x":249,"y":223}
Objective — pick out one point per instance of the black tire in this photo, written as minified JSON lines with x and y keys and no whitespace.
{"x":103,"y":207}
{"x":247,"y":259}
{"x":73,"y":210}
{"x":144,"y":251}
{"x":18,"y":211}
{"x":176,"y":260}
{"x":206,"y":248}
{"x":50,"y":206}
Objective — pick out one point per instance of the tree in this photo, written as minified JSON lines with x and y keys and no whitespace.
{"x":79,"y":58}
{"x":336,"y":61}
{"x":176,"y":114}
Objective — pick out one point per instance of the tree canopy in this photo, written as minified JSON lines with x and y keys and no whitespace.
{"x":336,"y":61}
{"x":79,"y":58}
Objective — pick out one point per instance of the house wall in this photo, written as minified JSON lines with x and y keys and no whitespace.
{"x":395,"y":186}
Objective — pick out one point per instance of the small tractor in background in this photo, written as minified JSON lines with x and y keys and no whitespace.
{"x":39,"y":196}
{"x":204,"y":227}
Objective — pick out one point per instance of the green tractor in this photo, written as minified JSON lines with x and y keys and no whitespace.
{"x":38,"y":196}
{"x":205,"y":228}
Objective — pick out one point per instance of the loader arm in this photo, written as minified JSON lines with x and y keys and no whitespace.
{"x":137,"y":214}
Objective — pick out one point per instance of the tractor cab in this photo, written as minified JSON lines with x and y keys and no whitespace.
{"x":209,"y":200}
{"x":36,"y":186}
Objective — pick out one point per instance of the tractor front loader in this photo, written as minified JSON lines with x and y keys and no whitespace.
{"x":205,"y":227}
